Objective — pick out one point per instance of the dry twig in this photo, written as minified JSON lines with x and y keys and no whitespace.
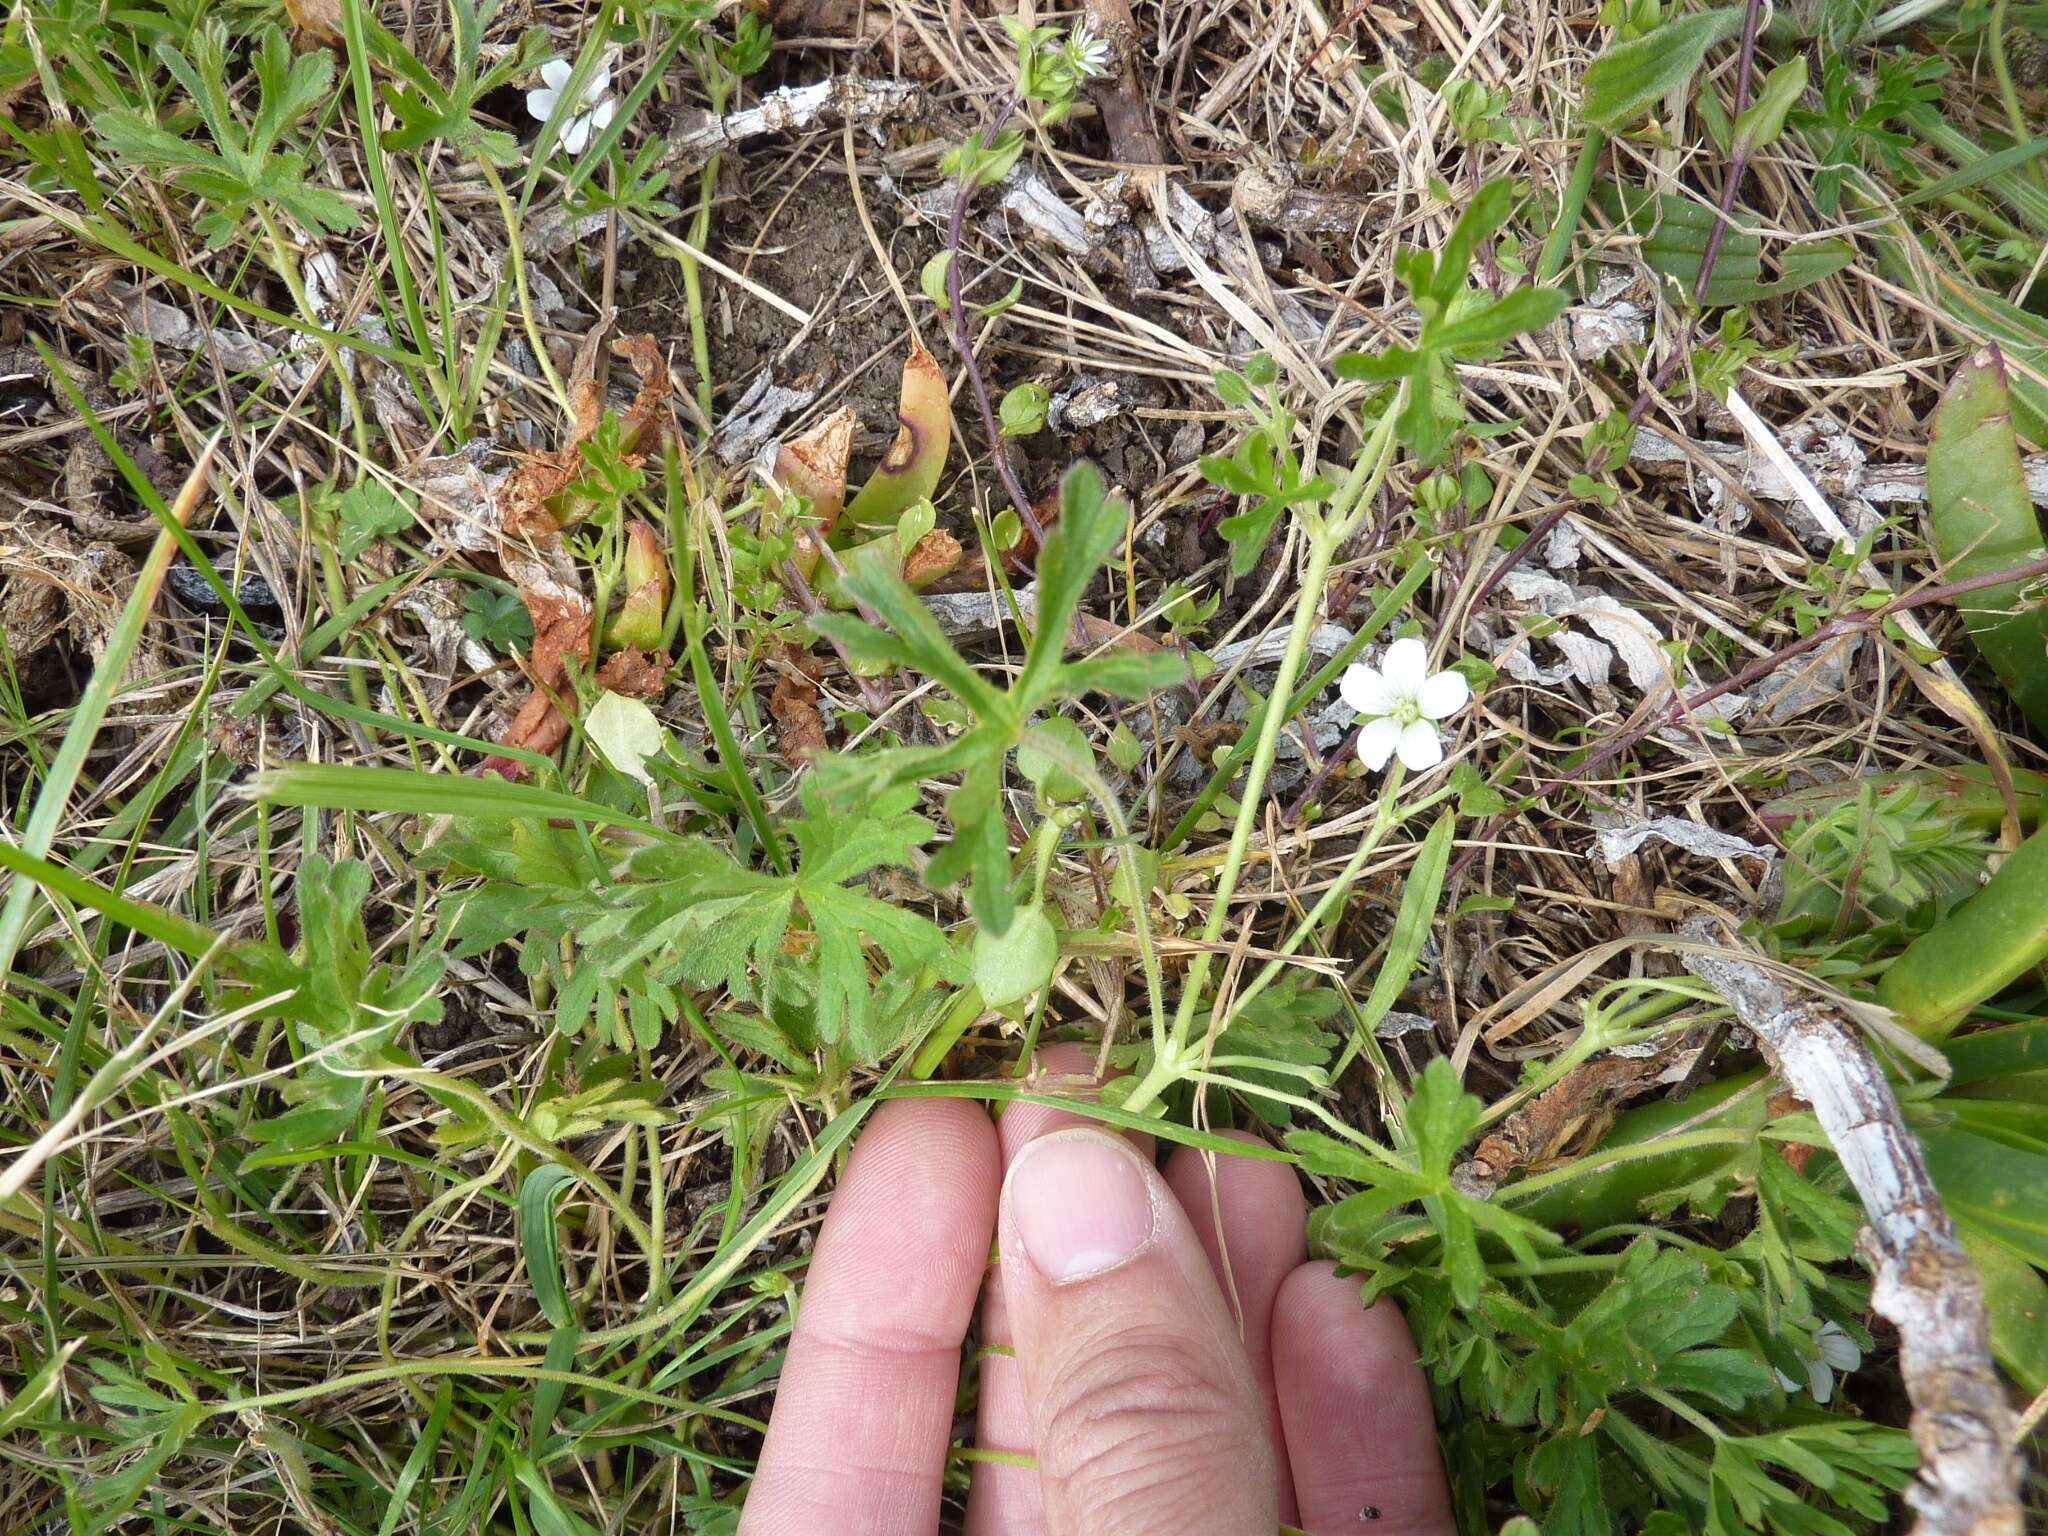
{"x":1925,"y":1284}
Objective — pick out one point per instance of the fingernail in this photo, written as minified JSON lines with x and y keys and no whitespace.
{"x":1080,"y":1204}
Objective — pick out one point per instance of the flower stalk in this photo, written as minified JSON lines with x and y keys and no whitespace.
{"x":1175,"y":1053}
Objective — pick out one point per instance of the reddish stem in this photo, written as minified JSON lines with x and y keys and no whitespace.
{"x":963,"y":341}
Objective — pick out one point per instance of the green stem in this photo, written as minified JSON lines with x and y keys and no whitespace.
{"x":1325,"y":534}
{"x":1687,"y":1412}
{"x":1166,"y":1063}
{"x":518,"y":259}
{"x":288,"y":269}
{"x":1384,"y":821}
{"x":2008,"y":93}
{"x":693,"y":290}
{"x":1228,"y":763}
{"x":718,"y":86}
{"x":1557,"y":245}
{"x":337,"y":599}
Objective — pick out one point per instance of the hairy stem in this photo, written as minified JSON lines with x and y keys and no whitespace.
{"x":1324,"y":537}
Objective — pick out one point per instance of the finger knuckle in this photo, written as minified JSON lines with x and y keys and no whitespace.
{"x":1137,"y":1414}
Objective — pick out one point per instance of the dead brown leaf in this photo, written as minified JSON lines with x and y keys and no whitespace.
{"x":318,"y":21}
{"x":634,"y":673}
{"x":530,"y":522}
{"x":1582,"y":1101}
{"x":800,"y":728}
{"x":934,"y":556}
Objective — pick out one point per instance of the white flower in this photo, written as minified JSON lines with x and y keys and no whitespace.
{"x":576,"y":132}
{"x":1838,"y":1352}
{"x":1401,"y":704}
{"x":1088,"y":53}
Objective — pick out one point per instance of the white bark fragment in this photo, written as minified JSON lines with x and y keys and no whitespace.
{"x":167,"y":326}
{"x":1924,"y":1284}
{"x":794,"y":109}
{"x":751,"y":424}
{"x":1619,"y":836}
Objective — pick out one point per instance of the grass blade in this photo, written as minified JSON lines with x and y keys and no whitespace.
{"x":48,"y":814}
{"x":343,"y":787}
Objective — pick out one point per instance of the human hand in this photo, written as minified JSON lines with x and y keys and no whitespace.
{"x":1149,"y":1406}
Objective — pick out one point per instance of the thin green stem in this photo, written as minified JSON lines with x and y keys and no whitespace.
{"x":288,"y":269}
{"x":1687,"y":1412}
{"x":1228,"y":763}
{"x":1383,"y":822}
{"x":1325,"y":534}
{"x":40,"y":834}
{"x":2008,"y":93}
{"x":693,"y":290}
{"x":518,"y":259}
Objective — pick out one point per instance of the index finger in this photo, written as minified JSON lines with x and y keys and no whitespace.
{"x":857,"y":1441}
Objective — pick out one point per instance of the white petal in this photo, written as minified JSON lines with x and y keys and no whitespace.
{"x":540,"y":102}
{"x":1837,"y":1348}
{"x":1420,"y":746}
{"x":556,"y":72}
{"x":1376,"y":739}
{"x":1404,"y":667}
{"x":1444,"y":695}
{"x":599,"y":83}
{"x":1820,"y":1382}
{"x":1365,"y":690}
{"x":1787,"y":1382}
{"x":602,"y":114}
{"x":576,"y":133}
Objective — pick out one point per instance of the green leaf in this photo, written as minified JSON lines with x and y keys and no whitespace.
{"x":1441,"y":1117}
{"x":1628,"y":78}
{"x":2016,"y":1300}
{"x":1983,"y":520}
{"x":913,"y":640}
{"x":1524,"y":309}
{"x":931,"y":279}
{"x":1419,"y":896}
{"x":368,"y":511}
{"x":995,"y":307}
{"x":347,"y":787}
{"x":1764,"y":119}
{"x":626,"y":733}
{"x":246,"y":162}
{"x":1991,"y":1187}
{"x":41,"y":1385}
{"x":687,"y":912}
{"x":1374,"y":367}
{"x":1091,"y":523}
{"x":537,"y":1240}
{"x":346,"y":1009}
{"x":1485,"y":214}
{"x":1675,"y":232}
{"x":1123,"y":674}
{"x":1023,"y":409}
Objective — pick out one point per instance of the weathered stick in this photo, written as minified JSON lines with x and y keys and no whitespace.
{"x":794,"y":109}
{"x":1924,"y":1284}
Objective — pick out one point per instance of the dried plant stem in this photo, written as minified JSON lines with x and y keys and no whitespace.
{"x":1552,"y":260}
{"x":1837,"y":628}
{"x":1925,"y":1284}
